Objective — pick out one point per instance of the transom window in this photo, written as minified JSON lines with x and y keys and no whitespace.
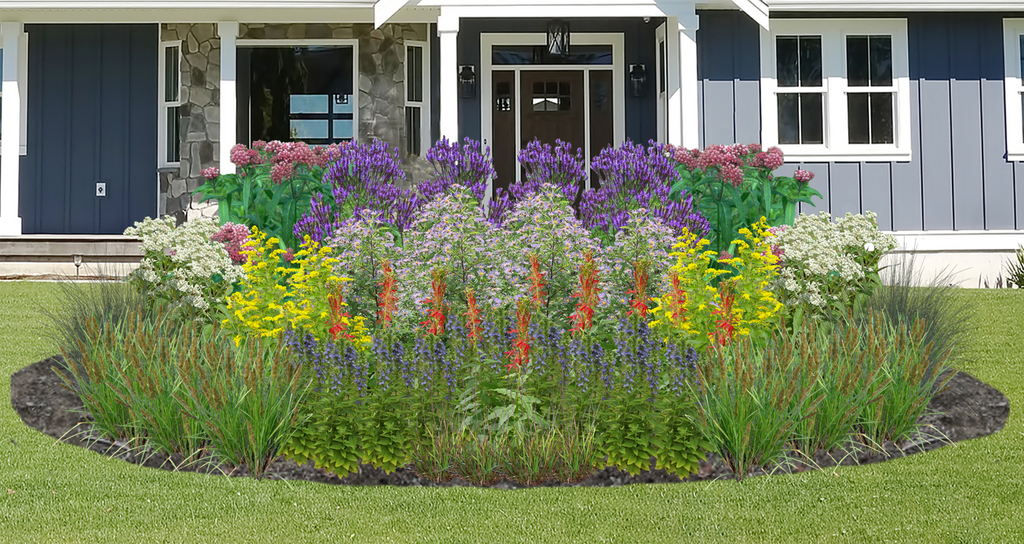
{"x":837,"y":89}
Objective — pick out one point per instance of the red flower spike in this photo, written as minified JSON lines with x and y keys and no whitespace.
{"x":435,"y":313}
{"x":726,"y":327}
{"x":638,"y":302}
{"x":387,"y":299}
{"x":537,"y":283}
{"x":677,"y":300}
{"x":587,"y":293}
{"x":338,"y":319}
{"x":520,"y":352}
{"x":473,"y":318}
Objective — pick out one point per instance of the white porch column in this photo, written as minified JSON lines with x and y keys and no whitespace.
{"x":10,"y":131}
{"x":228,"y":32}
{"x":448,"y":32}
{"x":683,"y":108}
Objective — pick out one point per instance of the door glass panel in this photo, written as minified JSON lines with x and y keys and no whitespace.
{"x":591,"y":55}
{"x":552,"y":96}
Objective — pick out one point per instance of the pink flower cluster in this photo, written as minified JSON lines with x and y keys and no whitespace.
{"x":729,"y":160}
{"x":232,"y":235}
{"x":211,"y":172}
{"x":803,"y":176}
{"x":283,"y":156}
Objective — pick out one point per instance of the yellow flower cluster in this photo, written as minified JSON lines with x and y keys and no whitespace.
{"x":277,"y":294}
{"x":741,"y":304}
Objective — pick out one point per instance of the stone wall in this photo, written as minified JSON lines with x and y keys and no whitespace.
{"x":200,"y":115}
{"x":381,"y":62}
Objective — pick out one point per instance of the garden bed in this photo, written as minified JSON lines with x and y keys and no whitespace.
{"x":968,"y":409}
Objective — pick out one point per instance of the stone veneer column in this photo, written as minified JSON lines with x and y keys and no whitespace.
{"x":200,"y":116}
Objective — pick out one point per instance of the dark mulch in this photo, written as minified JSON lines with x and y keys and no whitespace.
{"x":968,"y":409}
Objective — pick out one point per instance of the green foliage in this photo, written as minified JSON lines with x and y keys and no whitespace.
{"x":1015,"y":269}
{"x":749,"y":399}
{"x":733,"y":188}
{"x":246,"y":399}
{"x":327,"y":436}
{"x":271,"y":190}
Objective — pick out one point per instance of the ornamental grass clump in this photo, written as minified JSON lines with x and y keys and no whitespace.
{"x":750,"y":399}
{"x":246,"y":397}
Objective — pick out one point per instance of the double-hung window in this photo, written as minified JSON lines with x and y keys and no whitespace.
{"x":417,"y":91}
{"x":170,"y":104}
{"x":836,"y":89}
{"x":1013,"y":55}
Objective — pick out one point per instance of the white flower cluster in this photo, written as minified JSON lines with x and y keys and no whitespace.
{"x":825,"y":261}
{"x":181,"y":262}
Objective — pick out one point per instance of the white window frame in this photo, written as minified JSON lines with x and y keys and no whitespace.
{"x":836,"y":146}
{"x":1013,"y":29}
{"x":23,"y":86}
{"x":424,"y":103}
{"x":165,"y":104}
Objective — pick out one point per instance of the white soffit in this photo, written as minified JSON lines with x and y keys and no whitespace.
{"x":895,"y":5}
{"x":756,"y":9}
{"x":385,"y":9}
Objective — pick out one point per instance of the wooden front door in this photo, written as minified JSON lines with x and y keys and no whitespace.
{"x":551,"y":108}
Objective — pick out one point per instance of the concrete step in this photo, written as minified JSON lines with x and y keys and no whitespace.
{"x":40,"y":255}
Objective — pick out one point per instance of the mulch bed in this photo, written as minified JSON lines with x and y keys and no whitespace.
{"x":968,"y":409}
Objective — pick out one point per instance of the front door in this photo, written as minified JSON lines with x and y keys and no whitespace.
{"x":91,"y":151}
{"x":552,"y":108}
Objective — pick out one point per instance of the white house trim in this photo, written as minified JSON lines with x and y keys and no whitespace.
{"x":834,"y":87}
{"x":894,"y":6}
{"x":228,"y":32}
{"x":1013,"y":29}
{"x":960,"y":241}
{"x":448,"y":86}
{"x":615,"y":40}
{"x":13,"y":34}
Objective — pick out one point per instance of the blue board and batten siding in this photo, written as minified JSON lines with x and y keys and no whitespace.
{"x":958,"y":178}
{"x":92,"y":117}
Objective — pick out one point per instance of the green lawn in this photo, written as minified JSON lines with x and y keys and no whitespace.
{"x":970,"y":492}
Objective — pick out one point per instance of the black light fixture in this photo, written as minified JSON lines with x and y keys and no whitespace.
{"x":558,"y":38}
{"x":637,"y":78}
{"x":467,"y":81}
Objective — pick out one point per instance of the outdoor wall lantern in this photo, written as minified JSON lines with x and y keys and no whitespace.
{"x":558,"y":38}
{"x":637,"y":78}
{"x":467,"y":81}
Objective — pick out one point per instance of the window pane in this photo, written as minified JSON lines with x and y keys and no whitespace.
{"x":1021,"y":54}
{"x":812,"y":128}
{"x":171,"y":87}
{"x":662,"y":74}
{"x":309,"y":103}
{"x":342,"y":103}
{"x":810,"y":61}
{"x":308,"y":129}
{"x":881,"y":60}
{"x":593,"y":55}
{"x":787,"y":61}
{"x":789,"y":118}
{"x":414,"y":73}
{"x":881,"y":118}
{"x":857,"y":61}
{"x":858,"y":118}
{"x":173,"y":153}
{"x":412,"y":130}
{"x":342,"y":129}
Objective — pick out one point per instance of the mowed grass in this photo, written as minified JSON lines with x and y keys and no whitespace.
{"x":970,"y":492}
